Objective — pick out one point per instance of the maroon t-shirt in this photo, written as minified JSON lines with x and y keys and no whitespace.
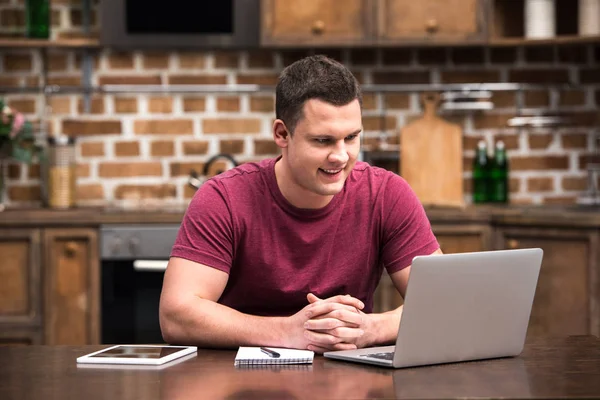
{"x":275,"y":253}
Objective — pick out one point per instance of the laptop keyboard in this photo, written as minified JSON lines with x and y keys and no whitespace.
{"x":382,"y":356}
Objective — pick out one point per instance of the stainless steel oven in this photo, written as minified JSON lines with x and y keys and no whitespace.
{"x":133,"y":261}
{"x":180,"y":24}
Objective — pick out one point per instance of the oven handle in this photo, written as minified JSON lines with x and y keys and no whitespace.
{"x":150,"y":265}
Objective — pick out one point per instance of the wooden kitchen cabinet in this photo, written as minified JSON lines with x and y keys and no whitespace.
{"x":315,"y":22}
{"x":59,"y":267}
{"x":71,"y":286}
{"x":20,"y":288}
{"x":386,"y":296}
{"x":372,"y":22}
{"x":567,"y":297}
{"x":463,"y":238}
{"x":431,"y":21}
{"x":20,"y":336}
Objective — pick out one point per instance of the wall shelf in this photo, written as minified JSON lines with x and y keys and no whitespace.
{"x":558,"y":40}
{"x":47,"y":43}
{"x":94,"y":43}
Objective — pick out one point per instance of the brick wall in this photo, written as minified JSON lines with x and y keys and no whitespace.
{"x":139,"y":145}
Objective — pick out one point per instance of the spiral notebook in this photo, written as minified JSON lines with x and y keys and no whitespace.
{"x":255,"y":356}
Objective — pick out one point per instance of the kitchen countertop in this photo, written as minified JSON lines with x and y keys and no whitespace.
{"x":93,"y":216}
{"x":570,"y":215}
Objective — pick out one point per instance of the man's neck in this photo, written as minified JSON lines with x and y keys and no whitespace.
{"x":295,"y":194}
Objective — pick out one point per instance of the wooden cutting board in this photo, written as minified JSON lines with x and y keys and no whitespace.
{"x":431,"y":158}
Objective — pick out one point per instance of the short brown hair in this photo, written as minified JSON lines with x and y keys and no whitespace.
{"x":313,"y":77}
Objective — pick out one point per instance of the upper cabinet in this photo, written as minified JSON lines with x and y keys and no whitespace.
{"x":316,"y":22}
{"x":371,"y":22}
{"x":362,"y":23}
{"x":431,"y":21}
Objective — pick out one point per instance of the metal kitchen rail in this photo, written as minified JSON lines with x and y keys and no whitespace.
{"x":452,"y":91}
{"x":245,"y":88}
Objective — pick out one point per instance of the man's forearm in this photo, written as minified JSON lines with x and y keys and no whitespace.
{"x":206,"y":323}
{"x":384,"y":328}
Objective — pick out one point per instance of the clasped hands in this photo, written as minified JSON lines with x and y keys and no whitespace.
{"x":335,"y":323}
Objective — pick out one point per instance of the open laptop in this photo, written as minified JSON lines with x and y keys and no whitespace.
{"x":459,"y":307}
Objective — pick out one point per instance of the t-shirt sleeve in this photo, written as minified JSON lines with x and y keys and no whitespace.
{"x":206,"y":232}
{"x":406,"y":229}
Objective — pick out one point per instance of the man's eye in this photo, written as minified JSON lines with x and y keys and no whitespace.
{"x":322,"y":141}
{"x":351,"y":137}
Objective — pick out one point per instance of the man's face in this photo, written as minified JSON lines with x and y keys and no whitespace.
{"x":320,"y":154}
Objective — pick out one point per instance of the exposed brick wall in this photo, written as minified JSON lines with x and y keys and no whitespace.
{"x":143,"y":145}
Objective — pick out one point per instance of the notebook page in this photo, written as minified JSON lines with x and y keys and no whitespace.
{"x":253,"y":355}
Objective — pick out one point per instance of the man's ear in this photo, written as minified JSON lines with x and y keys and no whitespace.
{"x":280,"y":134}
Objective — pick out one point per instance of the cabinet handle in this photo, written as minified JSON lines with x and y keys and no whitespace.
{"x":70,"y":249}
{"x":513,"y":244}
{"x":432,"y":26}
{"x":318,"y":27}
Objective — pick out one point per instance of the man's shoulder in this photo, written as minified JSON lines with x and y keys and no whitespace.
{"x":245,"y":172}
{"x":378,"y":182}
{"x":363,"y":170}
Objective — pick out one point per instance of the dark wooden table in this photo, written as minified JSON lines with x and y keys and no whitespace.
{"x":552,"y":368}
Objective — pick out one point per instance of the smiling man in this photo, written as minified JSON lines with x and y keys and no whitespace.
{"x":320,"y":155}
{"x":288,"y":252}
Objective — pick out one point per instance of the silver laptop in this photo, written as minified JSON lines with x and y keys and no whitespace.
{"x":459,"y":307}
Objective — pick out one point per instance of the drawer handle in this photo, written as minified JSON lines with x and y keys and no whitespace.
{"x":318,"y":27}
{"x":70,"y":249}
{"x":432,"y":26}
{"x":150,"y":265}
{"x":513,"y":244}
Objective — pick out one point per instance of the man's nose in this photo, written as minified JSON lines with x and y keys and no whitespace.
{"x":339,"y":154}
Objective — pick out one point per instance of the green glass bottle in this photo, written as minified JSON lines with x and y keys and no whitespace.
{"x":481,"y":174}
{"x":37,"y":18}
{"x":499,"y":175}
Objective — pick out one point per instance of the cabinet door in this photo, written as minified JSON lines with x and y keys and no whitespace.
{"x":386,"y":296}
{"x":462,"y":239}
{"x":20,"y":289}
{"x":567,"y":294}
{"x":72,"y":285}
{"x":431,"y":20}
{"x":20,"y":336}
{"x":315,"y":22}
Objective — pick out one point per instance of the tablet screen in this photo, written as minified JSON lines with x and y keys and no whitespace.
{"x":137,"y":352}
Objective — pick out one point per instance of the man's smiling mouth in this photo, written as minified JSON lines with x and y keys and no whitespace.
{"x":330,"y":171}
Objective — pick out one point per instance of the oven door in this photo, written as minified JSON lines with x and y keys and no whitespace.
{"x":130,"y":300}
{"x":133,"y":261}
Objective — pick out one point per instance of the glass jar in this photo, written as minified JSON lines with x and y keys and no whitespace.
{"x":61,"y":173}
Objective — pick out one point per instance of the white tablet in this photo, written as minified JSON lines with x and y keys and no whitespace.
{"x":143,"y":354}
